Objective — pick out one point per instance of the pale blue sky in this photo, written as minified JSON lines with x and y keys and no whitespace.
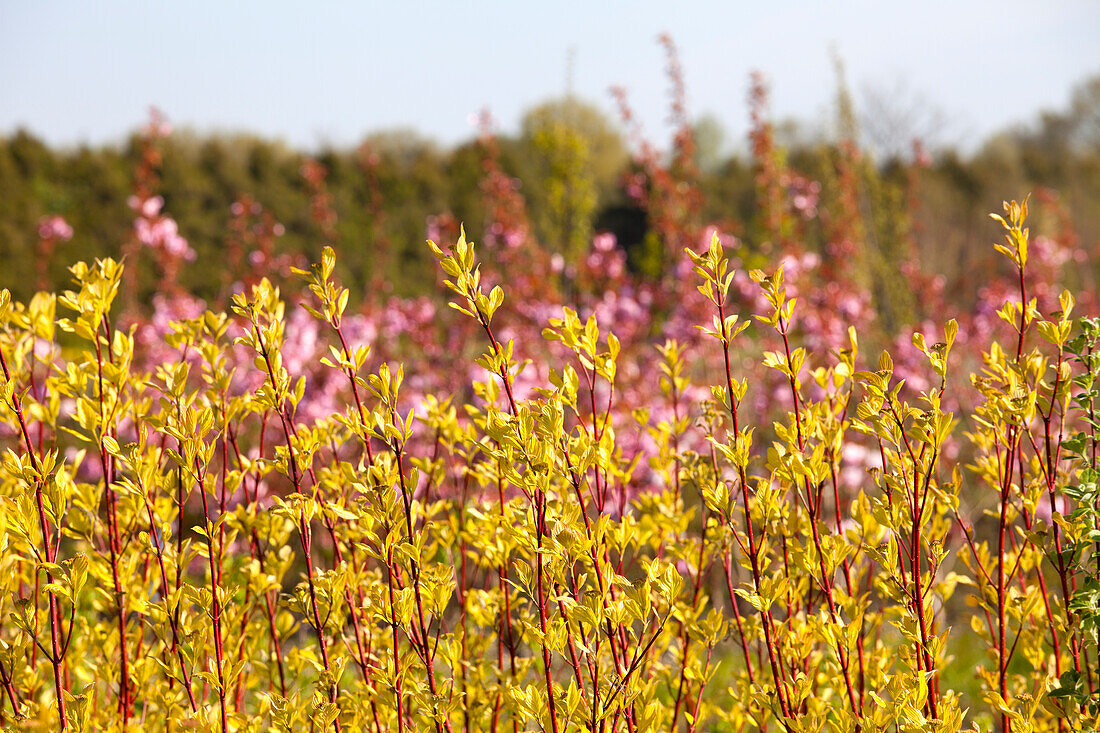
{"x":322,"y":71}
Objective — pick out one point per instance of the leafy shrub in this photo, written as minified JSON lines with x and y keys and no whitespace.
{"x":194,"y":534}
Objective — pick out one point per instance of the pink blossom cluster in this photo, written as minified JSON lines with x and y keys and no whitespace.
{"x":157,"y":126}
{"x":159,"y":232}
{"x":804,"y":195}
{"x":55,"y":228}
{"x":510,"y":238}
{"x":250,"y":246}
{"x":636,"y":186}
{"x":605,"y":262}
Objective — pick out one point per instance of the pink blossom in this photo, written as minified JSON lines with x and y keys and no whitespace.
{"x":163,"y":234}
{"x":157,"y":126}
{"x":55,"y":228}
{"x":148,"y":208}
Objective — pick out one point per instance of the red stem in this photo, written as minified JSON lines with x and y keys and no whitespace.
{"x":48,"y":547}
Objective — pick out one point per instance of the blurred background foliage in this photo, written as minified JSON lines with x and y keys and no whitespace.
{"x":573,"y":164}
